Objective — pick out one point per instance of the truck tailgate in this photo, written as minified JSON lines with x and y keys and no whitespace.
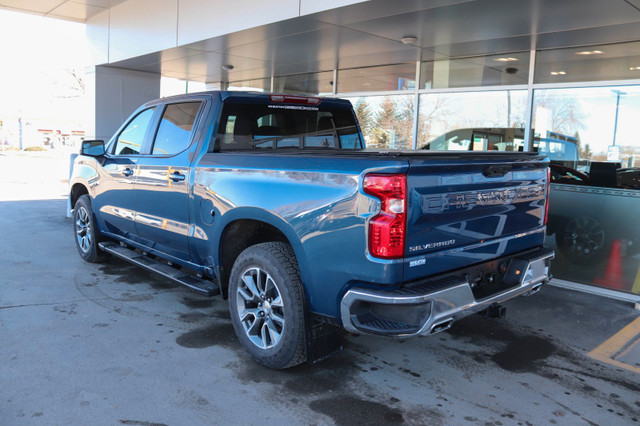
{"x":473,"y":208}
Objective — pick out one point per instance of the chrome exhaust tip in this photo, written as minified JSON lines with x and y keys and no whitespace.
{"x":441,"y":326}
{"x":533,"y":290}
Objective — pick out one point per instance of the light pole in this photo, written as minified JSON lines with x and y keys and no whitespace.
{"x":618,"y":93}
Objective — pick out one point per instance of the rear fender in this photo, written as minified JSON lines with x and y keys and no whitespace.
{"x":252,"y":213}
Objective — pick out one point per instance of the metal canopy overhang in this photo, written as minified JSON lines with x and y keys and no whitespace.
{"x":70,"y":10}
{"x":369,"y":33}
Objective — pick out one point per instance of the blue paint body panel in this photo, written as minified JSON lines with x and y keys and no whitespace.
{"x":456,"y":215}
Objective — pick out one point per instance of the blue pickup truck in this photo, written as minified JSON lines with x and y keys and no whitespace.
{"x":274,"y":202}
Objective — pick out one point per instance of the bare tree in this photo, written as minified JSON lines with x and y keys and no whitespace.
{"x":405,"y":112}
{"x":69,"y":85}
{"x":435,"y":111}
{"x":78,"y":84}
{"x":566,"y":115}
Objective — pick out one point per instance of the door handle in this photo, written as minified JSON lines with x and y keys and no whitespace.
{"x":127,"y":172}
{"x":176,"y":176}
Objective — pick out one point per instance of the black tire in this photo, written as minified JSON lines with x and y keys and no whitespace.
{"x":583,"y":240}
{"x":85,"y":232}
{"x":277,"y":347}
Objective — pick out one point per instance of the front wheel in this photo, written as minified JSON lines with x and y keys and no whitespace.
{"x":266,"y":301}
{"x":85,"y":231}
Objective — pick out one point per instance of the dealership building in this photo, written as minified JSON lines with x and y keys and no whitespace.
{"x":560,"y":78}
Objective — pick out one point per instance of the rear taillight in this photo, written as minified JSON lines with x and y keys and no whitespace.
{"x":387,"y":229}
{"x":546,"y":201}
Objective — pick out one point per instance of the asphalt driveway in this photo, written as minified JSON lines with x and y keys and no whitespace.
{"x":112,"y":344}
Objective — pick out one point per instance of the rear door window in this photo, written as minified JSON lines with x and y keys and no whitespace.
{"x":176,"y":128}
{"x":131,"y":139}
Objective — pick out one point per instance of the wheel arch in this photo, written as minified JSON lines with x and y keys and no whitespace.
{"x":77,"y":190}
{"x":245,"y":227}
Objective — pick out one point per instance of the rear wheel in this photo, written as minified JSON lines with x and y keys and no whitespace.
{"x":85,"y":231}
{"x":266,"y":301}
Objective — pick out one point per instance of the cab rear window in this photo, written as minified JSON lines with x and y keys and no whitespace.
{"x":279,"y":126}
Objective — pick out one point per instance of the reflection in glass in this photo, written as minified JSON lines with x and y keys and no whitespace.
{"x":596,"y":63}
{"x":306,"y":84}
{"x":174,"y":132}
{"x":256,"y":85}
{"x":173,"y":86}
{"x":376,"y":79}
{"x":93,"y":148}
{"x":494,"y":70}
{"x":131,"y":139}
{"x":386,"y":121}
{"x":592,"y":118}
{"x":595,"y":191}
{"x":477,"y":121}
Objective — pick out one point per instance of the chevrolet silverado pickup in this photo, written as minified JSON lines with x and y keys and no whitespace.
{"x":274,"y":202}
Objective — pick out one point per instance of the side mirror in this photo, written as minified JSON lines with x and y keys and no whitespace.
{"x":93,"y":148}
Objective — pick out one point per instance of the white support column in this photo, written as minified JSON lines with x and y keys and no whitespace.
{"x":528,"y":136}
{"x":119,"y":92}
{"x":416,"y":107}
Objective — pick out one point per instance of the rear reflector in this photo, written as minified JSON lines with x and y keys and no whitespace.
{"x":387,"y":229}
{"x":300,"y":100}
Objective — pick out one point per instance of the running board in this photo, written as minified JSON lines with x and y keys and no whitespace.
{"x":206,"y":287}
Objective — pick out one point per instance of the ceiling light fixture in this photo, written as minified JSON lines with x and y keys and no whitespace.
{"x":558,"y":72}
{"x":590,"y":52}
{"x":505,"y":59}
{"x":634,"y":69}
{"x":409,"y":40}
{"x":227,"y":67}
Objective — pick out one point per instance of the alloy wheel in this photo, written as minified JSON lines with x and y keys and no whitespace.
{"x":83,"y":229}
{"x":260,"y":308}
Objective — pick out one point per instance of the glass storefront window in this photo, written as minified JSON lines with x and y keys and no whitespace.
{"x":377,"y":79}
{"x":173,"y":86}
{"x":494,"y":70}
{"x":386,"y":121}
{"x":594,"y":63}
{"x":473,"y":121}
{"x":589,"y":136}
{"x":257,"y":85}
{"x":305,"y":84}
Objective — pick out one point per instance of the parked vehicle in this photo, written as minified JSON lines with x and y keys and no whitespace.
{"x":560,"y":149}
{"x":274,"y":202}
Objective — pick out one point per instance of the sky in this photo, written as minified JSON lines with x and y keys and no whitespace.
{"x":598,"y":109}
{"x":35,"y":56}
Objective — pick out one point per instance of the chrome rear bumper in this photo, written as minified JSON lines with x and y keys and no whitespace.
{"x":432,"y":306}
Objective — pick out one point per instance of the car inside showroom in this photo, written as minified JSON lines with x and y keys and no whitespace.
{"x":365,"y":188}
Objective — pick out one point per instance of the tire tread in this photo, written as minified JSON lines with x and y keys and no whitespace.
{"x":95,"y":255}
{"x":283,"y":255}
